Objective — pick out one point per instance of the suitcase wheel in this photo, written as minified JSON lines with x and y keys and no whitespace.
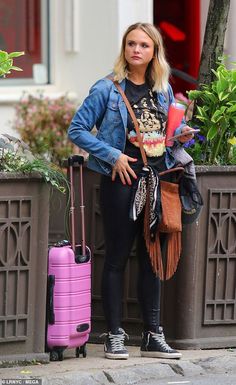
{"x":81,"y":350}
{"x":56,"y":355}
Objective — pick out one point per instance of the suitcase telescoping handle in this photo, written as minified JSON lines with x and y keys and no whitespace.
{"x":72,"y":160}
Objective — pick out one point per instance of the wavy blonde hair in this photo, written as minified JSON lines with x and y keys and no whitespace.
{"x":158,"y":70}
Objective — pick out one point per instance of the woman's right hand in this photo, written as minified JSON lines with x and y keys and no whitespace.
{"x":123,"y":168}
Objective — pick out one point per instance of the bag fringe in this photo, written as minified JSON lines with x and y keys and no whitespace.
{"x":173,"y":253}
{"x":153,"y":245}
{"x":154,"y":249}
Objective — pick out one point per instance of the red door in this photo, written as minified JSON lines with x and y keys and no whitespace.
{"x":20,"y":31}
{"x":179,"y":22}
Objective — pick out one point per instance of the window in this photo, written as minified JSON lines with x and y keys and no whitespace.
{"x":24,"y":27}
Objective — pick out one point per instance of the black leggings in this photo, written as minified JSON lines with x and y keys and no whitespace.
{"x":120,"y":233}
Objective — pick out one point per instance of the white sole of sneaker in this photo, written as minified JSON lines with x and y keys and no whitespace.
{"x":160,"y":355}
{"x":112,"y":356}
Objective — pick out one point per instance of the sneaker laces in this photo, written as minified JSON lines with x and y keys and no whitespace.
{"x":117,"y":340}
{"x":159,"y":337}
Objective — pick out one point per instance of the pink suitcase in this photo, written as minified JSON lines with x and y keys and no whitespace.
{"x":69,"y":286}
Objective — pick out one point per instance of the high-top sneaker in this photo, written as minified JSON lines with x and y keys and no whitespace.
{"x":155,"y":345}
{"x":114,"y":347}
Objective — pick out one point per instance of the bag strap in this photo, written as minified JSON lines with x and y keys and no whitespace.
{"x":133,"y":117}
{"x":178,"y":168}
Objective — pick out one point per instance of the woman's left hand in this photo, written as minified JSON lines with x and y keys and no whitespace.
{"x":187,"y":137}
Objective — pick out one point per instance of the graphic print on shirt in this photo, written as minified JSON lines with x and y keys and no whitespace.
{"x":152,"y":123}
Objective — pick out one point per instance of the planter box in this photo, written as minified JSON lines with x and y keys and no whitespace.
{"x":200,"y":301}
{"x":24,"y":210}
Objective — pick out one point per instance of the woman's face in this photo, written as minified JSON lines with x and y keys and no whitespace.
{"x":139,"y":48}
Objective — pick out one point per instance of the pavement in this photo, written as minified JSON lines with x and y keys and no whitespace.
{"x":96,"y":370}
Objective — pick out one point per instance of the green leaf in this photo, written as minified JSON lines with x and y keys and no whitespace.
{"x":233,"y":87}
{"x":214,"y":72}
{"x":232,"y":108}
{"x":212,"y":132}
{"x":233,"y":74}
{"x":3,"y":56}
{"x":216,"y":116}
{"x":194,"y":94}
{"x":16,"y":54}
{"x":221,"y":86}
{"x":211,"y":96}
{"x":202,"y":118}
{"x":16,"y":68}
{"x":6,"y":65}
{"x":223,"y":95}
{"x":202,"y":111}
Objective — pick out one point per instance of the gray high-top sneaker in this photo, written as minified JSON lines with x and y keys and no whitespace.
{"x":114,"y":347}
{"x":155,"y":345}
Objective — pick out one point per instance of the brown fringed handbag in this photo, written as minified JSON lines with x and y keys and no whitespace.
{"x":171,"y":214}
{"x":171,"y":225}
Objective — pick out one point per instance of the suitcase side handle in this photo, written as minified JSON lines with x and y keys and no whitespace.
{"x":51,"y":314}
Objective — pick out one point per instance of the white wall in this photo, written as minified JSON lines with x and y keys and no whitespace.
{"x":97,"y":44}
{"x":230,"y":41}
{"x":133,"y":11}
{"x":100,"y":27}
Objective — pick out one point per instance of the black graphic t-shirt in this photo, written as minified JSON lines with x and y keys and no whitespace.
{"x":152,"y":120}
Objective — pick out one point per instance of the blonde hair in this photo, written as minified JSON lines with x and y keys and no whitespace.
{"x":158,"y":70}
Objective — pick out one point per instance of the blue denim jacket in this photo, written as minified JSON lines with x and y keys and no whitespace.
{"x":105,"y":109}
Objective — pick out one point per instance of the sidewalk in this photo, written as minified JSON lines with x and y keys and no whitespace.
{"x":94,"y":369}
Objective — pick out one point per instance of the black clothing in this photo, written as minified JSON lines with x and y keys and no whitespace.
{"x":120,"y":233}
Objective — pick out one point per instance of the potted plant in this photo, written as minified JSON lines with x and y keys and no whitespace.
{"x":203,"y":290}
{"x":216,"y":117}
{"x":16,"y":157}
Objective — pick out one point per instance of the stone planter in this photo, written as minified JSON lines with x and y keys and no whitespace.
{"x":24,"y":210}
{"x":200,"y":301}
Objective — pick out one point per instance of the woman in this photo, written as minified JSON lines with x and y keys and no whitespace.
{"x":142,"y":71}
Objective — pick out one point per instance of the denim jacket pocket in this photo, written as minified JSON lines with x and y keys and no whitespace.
{"x":113,"y":113}
{"x":113,"y":105}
